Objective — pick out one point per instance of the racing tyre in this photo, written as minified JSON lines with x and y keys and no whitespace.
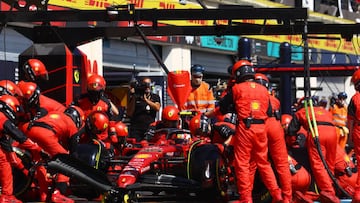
{"x":95,"y":156}
{"x":204,"y":166}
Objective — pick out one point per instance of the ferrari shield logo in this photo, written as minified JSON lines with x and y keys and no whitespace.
{"x":255,"y":105}
{"x":95,"y":85}
{"x":105,"y":125}
{"x":76,"y":76}
{"x":170,"y":114}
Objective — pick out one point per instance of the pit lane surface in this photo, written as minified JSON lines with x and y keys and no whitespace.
{"x":82,"y":200}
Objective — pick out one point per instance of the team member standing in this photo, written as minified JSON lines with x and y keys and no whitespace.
{"x":143,"y":105}
{"x":251,"y":102}
{"x":276,"y":139}
{"x":354,"y":126}
{"x":339,"y":112}
{"x":201,"y":97}
{"x":328,"y":143}
{"x":95,"y":99}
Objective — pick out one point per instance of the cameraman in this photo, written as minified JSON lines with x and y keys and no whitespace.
{"x":141,"y":108}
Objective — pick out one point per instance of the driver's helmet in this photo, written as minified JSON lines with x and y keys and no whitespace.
{"x":181,"y":138}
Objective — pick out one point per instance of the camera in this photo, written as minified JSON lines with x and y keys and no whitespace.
{"x":140,"y":89}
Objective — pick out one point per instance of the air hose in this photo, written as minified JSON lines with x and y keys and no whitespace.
{"x":315,"y":134}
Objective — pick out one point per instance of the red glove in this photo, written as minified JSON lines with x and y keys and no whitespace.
{"x":34,"y":149}
{"x":113,"y":139}
{"x":30,"y":145}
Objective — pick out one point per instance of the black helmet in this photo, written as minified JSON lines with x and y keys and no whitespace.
{"x":197,"y":69}
{"x":342,"y":95}
{"x":243,"y":70}
{"x":76,"y":114}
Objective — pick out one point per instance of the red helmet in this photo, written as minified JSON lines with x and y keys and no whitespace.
{"x":96,"y":83}
{"x":10,"y":106}
{"x":97,"y":123}
{"x":199,"y":125}
{"x":301,"y":179}
{"x":285,"y":120}
{"x":243,"y":70}
{"x":301,"y":102}
{"x":262,"y":79}
{"x":170,"y":113}
{"x":76,"y":114}
{"x":34,"y":68}
{"x":355,"y":79}
{"x":118,"y":128}
{"x":10,"y":88}
{"x":31,"y":92}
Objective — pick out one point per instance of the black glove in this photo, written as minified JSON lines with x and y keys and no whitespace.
{"x":348,"y":171}
{"x":5,"y":143}
{"x":224,"y":131}
{"x":301,"y":139}
{"x":149,"y":134}
{"x":75,"y":139}
{"x":228,"y":150}
{"x":332,"y":101}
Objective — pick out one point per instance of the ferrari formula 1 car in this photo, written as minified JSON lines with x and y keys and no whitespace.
{"x":178,"y":165}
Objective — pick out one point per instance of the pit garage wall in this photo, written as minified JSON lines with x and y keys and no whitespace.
{"x":11,"y":45}
{"x":215,"y":64}
{"x":123,"y":56}
{"x":120,"y":56}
